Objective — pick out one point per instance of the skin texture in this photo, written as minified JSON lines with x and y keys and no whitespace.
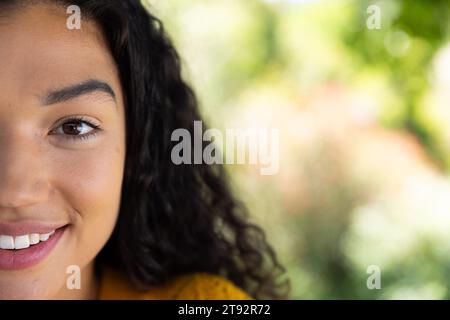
{"x":45,"y":174}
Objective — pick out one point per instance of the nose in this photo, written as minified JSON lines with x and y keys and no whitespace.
{"x":22,"y":176}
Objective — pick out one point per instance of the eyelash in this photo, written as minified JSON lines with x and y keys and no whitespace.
{"x":96,"y":128}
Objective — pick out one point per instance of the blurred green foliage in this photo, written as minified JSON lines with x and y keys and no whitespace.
{"x":426,"y":25}
{"x":331,"y":212}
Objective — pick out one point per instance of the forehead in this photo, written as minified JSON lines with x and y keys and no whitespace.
{"x":38,"y":51}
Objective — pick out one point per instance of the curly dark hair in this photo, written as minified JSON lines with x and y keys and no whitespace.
{"x":173,"y":219}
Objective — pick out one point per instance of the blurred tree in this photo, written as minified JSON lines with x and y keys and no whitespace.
{"x":411,"y":33}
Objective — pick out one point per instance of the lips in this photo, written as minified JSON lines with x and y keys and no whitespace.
{"x":23,"y":245}
{"x":23,"y":228}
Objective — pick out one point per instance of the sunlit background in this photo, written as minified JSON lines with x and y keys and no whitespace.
{"x":364,"y":119}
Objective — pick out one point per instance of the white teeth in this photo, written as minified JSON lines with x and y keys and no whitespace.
{"x":21,"y":242}
{"x":44,"y":237}
{"x":34,"y":238}
{"x":6,"y":242}
{"x":24,"y":241}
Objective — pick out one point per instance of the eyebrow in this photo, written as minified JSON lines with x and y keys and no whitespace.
{"x":77,"y":90}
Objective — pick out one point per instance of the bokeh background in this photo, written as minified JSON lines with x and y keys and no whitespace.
{"x":364,"y":119}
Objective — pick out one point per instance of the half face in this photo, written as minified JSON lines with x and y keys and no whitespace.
{"x":62,"y":152}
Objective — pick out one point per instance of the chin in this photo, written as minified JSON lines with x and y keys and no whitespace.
{"x":19,"y":286}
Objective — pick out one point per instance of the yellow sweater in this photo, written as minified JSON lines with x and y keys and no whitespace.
{"x":197,"y":286}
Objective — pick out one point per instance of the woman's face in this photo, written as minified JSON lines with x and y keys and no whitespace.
{"x":62,"y":152}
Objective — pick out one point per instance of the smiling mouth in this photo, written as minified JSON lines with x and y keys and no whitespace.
{"x":26,"y":250}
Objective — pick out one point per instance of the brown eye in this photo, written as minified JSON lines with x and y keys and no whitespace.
{"x":76,"y":128}
{"x":73,"y":128}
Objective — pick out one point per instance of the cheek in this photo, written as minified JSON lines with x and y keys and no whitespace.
{"x":90,"y":181}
